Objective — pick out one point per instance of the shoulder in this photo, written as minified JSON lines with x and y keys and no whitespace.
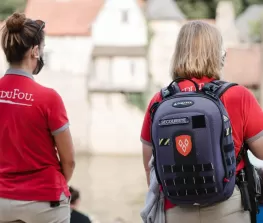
{"x":238,"y":93}
{"x":53,"y":93}
{"x":240,"y":99}
{"x":156,"y":98}
{"x":47,"y":96}
{"x":47,"y":91}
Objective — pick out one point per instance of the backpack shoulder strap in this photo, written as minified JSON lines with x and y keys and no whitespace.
{"x":170,"y":90}
{"x":242,"y":152}
{"x":223,"y":87}
{"x":165,"y":92}
{"x":217,"y":87}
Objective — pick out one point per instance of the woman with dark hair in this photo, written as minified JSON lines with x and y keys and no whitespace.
{"x":36,"y":149}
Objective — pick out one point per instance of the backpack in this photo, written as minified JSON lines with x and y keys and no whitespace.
{"x":193,"y":148}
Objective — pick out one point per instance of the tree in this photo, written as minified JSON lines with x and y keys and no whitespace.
{"x":196,"y":9}
{"x":7,"y":7}
{"x":256,"y":31}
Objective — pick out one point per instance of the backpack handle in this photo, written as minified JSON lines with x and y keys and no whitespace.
{"x":179,"y":79}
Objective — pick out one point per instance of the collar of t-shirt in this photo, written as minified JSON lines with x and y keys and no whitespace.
{"x":189,"y":86}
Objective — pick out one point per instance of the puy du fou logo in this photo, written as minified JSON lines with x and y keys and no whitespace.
{"x":12,"y":97}
{"x":16,"y":94}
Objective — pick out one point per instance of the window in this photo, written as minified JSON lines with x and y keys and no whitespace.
{"x":124,"y":16}
{"x":132,"y":68}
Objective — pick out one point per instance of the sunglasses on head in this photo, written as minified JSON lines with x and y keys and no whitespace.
{"x":41,"y":25}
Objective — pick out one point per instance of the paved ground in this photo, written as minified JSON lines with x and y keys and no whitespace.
{"x":111,"y":187}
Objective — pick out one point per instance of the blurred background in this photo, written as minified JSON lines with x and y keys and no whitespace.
{"x":107,"y":58}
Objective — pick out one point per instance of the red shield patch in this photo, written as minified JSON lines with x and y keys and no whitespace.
{"x":183,"y":144}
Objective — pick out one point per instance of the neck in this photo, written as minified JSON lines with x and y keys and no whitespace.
{"x":21,"y":67}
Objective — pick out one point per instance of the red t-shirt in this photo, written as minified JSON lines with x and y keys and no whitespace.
{"x":245,"y":114}
{"x":30,"y":115}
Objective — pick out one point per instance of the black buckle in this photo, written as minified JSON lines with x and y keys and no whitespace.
{"x":211,"y":94}
{"x":210,"y":90}
{"x":210,"y":87}
{"x":54,"y":204}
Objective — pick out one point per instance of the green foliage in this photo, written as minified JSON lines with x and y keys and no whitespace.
{"x":254,"y":2}
{"x":7,"y":7}
{"x":138,"y":100}
{"x":196,"y":9}
{"x":256,"y":30}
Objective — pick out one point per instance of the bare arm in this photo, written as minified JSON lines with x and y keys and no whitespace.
{"x":252,"y":117}
{"x":147,"y":154}
{"x":66,"y":152}
{"x":256,"y":148}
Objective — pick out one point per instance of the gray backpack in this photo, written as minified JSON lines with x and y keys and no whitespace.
{"x":192,"y":144}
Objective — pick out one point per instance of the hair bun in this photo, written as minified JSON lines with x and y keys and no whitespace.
{"x":15,"y":22}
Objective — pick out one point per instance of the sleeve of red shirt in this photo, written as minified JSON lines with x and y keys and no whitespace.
{"x":146,"y":132}
{"x":56,"y":114}
{"x":253,"y":117}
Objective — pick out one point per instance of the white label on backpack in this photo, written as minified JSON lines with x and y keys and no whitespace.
{"x":183,"y":104}
{"x":174,"y":121}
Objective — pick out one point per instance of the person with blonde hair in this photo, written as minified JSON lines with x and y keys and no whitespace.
{"x":36,"y":149}
{"x":197,"y":63}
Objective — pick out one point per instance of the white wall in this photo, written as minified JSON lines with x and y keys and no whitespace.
{"x":119,"y":71}
{"x":67,"y":62}
{"x":225,"y":22}
{"x":63,"y":54}
{"x":68,"y":54}
{"x":161,"y":50}
{"x":115,"y":126}
{"x":110,"y":29}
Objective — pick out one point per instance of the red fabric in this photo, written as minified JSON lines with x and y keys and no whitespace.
{"x":29,"y":165}
{"x":245,"y":114}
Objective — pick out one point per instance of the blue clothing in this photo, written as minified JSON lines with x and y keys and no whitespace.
{"x":260,"y":215}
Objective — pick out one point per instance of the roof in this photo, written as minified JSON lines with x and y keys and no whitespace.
{"x":243,"y":22}
{"x":243,"y":66}
{"x":163,"y":10}
{"x":141,"y":3}
{"x":65,"y":17}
